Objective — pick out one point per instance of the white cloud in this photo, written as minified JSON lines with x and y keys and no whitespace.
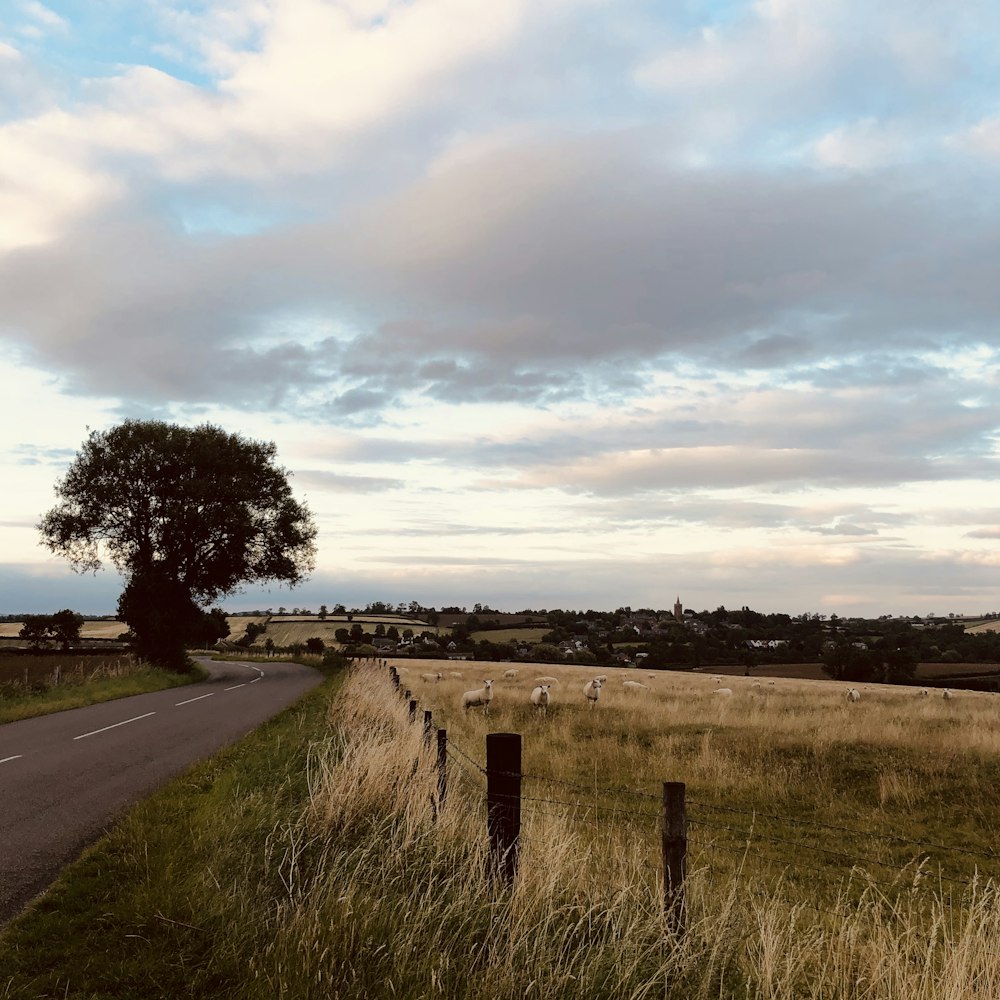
{"x":863,"y":145}
{"x":44,"y":16}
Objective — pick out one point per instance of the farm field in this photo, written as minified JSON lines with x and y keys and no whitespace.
{"x":826,"y":839}
{"x":89,"y":630}
{"x":987,"y":626}
{"x":36,"y":685}
{"x":830,"y":851}
{"x":510,"y":634}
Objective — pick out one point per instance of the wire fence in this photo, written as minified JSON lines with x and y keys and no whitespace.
{"x":822,"y":859}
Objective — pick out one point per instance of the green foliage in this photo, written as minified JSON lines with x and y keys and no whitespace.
{"x":315,"y":645}
{"x":192,"y":512}
{"x":63,"y":627}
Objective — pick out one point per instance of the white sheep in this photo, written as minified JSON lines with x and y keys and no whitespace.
{"x":603,"y":678}
{"x":431,"y":678}
{"x":481,"y":696}
{"x":456,"y":674}
{"x":853,"y":694}
{"x":652,"y":677}
{"x":541,"y":699}
{"x":923,"y":693}
{"x":509,"y":675}
{"x":547,"y":680}
{"x":634,"y":686}
{"x":724,"y":692}
{"x":947,"y":694}
{"x":592,"y":690}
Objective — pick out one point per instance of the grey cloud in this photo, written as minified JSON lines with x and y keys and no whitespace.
{"x":983,"y":533}
{"x":531,"y":275}
{"x":30,"y":454}
{"x":723,"y":468}
{"x":854,"y":530}
{"x":340,"y":483}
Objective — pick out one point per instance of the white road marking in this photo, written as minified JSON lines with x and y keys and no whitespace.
{"x":16,"y":756}
{"x":254,"y":681}
{"x":115,"y":726}
{"x":188,"y":702}
{"x":235,"y":686}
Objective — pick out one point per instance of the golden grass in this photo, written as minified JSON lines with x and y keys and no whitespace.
{"x":89,"y":630}
{"x":403,"y":905}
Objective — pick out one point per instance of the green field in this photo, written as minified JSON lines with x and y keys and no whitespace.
{"x":510,"y":634}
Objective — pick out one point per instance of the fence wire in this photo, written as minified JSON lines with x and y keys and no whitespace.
{"x":594,"y":814}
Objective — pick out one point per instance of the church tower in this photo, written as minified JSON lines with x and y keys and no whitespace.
{"x":678,"y":610}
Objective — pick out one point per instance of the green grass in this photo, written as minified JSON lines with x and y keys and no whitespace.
{"x":170,"y":903}
{"x":510,"y":634}
{"x":81,"y":681}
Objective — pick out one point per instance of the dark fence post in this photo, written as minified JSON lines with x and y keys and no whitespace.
{"x":442,"y":767}
{"x":406,"y":694}
{"x":503,"y":802}
{"x":674,"y":854}
{"x":428,"y":725}
{"x":413,"y":710}
{"x":394,"y":677}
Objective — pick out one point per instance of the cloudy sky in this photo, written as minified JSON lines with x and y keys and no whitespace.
{"x":545,"y":302}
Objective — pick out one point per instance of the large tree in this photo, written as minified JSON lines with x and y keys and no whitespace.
{"x":187,"y":515}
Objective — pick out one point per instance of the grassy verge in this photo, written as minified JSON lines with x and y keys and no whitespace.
{"x":174,"y":901}
{"x":29,"y":688}
{"x":310,"y":861}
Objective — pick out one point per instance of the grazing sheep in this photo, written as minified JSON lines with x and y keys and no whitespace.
{"x":510,"y":674}
{"x":923,"y":693}
{"x":592,"y":690}
{"x":718,"y":680}
{"x":947,"y":694}
{"x":547,"y":680}
{"x":541,"y":698}
{"x":634,"y":686}
{"x":652,"y":677}
{"x":481,"y":696}
{"x":853,"y":694}
{"x":756,"y":684}
{"x":431,"y":678}
{"x":603,"y":678}
{"x":725,"y":692}
{"x":455,"y":673}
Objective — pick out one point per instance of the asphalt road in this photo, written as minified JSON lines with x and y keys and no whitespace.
{"x":65,"y":778}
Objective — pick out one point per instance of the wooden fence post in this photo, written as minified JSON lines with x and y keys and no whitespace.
{"x":413,"y":710}
{"x":442,"y":767}
{"x":406,"y":694}
{"x":394,"y":677}
{"x":428,"y":725}
{"x":503,"y":802}
{"x":674,"y":854}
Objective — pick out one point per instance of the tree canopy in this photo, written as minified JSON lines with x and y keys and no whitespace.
{"x":186,"y":514}
{"x":63,"y":627}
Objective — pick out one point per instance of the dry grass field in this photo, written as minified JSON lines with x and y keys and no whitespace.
{"x":836,"y":850}
{"x":89,"y":630}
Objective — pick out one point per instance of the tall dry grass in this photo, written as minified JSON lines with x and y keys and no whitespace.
{"x":382,"y":899}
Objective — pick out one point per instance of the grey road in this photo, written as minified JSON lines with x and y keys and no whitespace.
{"x":65,"y":778}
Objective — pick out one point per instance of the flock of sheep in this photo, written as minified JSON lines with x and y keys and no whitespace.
{"x":542,"y":694}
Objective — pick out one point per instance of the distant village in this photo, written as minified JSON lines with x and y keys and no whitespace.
{"x":887,"y":648}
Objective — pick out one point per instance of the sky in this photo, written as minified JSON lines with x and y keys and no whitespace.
{"x":560,"y":303}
